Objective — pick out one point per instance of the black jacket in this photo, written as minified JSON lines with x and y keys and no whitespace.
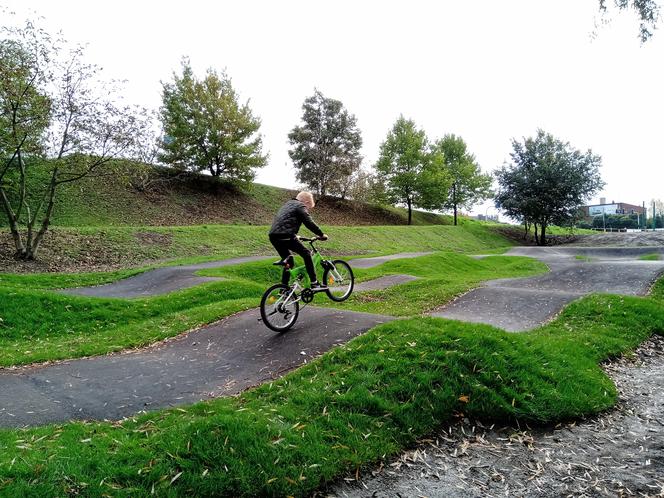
{"x":290,"y":217}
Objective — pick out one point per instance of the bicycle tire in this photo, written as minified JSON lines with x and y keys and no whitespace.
{"x":269,"y":316}
{"x":330,"y":280}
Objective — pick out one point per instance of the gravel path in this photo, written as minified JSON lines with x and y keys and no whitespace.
{"x":620,"y":453}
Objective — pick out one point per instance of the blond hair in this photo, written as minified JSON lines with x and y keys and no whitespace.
{"x":306,"y":198}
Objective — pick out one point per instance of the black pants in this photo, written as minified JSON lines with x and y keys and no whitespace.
{"x":284,"y":248}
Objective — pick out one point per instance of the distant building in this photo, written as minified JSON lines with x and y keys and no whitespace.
{"x":484,"y":217}
{"x":589,"y":212}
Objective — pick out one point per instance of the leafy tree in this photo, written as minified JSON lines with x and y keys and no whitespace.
{"x":206,"y":128}
{"x":547,"y":182}
{"x":646,"y":10}
{"x":467,"y":184}
{"x":402,"y":161}
{"x":54,"y":129}
{"x":326,"y":148}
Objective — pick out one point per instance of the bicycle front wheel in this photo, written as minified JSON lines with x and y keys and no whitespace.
{"x":339,"y":280}
{"x":280,"y":307}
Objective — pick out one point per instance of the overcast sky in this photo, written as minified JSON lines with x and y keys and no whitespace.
{"x":486,"y":70}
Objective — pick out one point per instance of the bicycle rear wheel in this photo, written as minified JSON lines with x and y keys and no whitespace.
{"x":339,"y":280}
{"x":280,"y":307}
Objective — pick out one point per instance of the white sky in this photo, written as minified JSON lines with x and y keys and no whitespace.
{"x":486,"y":70}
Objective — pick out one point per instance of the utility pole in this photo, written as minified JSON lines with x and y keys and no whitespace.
{"x":603,"y":220}
{"x":653,"y":216}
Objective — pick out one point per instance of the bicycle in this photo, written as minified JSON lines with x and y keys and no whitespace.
{"x":280,"y":304}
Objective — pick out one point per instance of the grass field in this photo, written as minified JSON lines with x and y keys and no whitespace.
{"x":650,"y":257}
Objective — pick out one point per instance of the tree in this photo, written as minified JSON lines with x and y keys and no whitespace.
{"x":547,"y":182}
{"x":54,"y":129}
{"x":402,"y":160}
{"x":646,"y":10}
{"x":365,"y":186}
{"x":468,"y":185}
{"x":326,"y":148}
{"x":206,"y":128}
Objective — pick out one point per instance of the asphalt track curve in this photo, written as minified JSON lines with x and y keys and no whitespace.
{"x":519,"y":304}
{"x":222,"y":359}
{"x":172,"y":278}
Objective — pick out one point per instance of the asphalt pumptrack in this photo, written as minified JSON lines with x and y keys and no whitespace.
{"x":239,"y":352}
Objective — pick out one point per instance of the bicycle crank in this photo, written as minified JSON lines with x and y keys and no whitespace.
{"x":307,"y":296}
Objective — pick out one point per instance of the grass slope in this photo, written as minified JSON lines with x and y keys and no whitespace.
{"x":108,"y":199}
{"x":353,"y":406}
{"x":94,"y":248}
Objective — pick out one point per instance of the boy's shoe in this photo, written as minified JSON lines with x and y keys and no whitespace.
{"x":317,"y":286}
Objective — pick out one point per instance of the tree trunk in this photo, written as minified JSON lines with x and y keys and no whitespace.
{"x":526,"y":231}
{"x":536,"y":234}
{"x":454,"y":203}
{"x":34,"y":246}
{"x":13,"y":226}
{"x":410,"y":210}
{"x":543,"y":235}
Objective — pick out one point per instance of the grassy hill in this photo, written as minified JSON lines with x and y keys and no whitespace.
{"x":105,"y":223}
{"x":111,"y":199}
{"x":116,"y":247}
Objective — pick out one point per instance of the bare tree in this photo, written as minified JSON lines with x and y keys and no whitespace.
{"x":57,"y":123}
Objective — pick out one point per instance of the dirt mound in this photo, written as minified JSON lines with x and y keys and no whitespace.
{"x":516,"y":234}
{"x":622,"y":239}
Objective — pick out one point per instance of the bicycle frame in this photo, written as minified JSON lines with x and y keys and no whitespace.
{"x":299,"y":273}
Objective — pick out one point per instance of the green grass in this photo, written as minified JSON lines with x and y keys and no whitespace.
{"x":650,"y":257}
{"x":127,"y":247}
{"x":583,"y":257}
{"x":354,"y":406}
{"x":61,"y":280}
{"x":62,"y":326}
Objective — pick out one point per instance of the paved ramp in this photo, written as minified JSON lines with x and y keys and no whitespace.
{"x":171,"y":278}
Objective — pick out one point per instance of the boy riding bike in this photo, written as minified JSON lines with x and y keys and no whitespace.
{"x":283,"y":234}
